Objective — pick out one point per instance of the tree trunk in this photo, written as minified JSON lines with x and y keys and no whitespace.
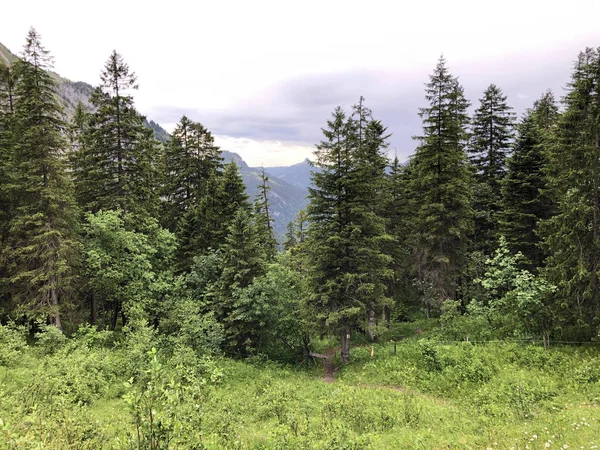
{"x":387,"y":315}
{"x":93,"y":310}
{"x":345,"y":340}
{"x":56,"y":317}
{"x":115,"y":315}
{"x":371,"y":325}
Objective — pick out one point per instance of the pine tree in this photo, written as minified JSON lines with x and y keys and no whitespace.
{"x":493,"y":130}
{"x":301,"y":225}
{"x":346,"y":265}
{"x":397,"y":212}
{"x":117,"y":166}
{"x":244,"y":259}
{"x":572,"y":236}
{"x":263,"y":217}
{"x":191,"y":158}
{"x":525,"y":192}
{"x":290,"y":237}
{"x":7,"y":108}
{"x":206,"y":226}
{"x":441,"y":186}
{"x":41,"y":246}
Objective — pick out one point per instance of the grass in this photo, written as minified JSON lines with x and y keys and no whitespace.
{"x":426,"y":395}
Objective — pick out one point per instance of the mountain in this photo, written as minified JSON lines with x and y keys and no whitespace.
{"x":285,"y":199}
{"x":297,"y":175}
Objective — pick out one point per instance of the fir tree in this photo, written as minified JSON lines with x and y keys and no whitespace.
{"x":493,"y":126}
{"x":206,"y":226}
{"x":244,"y":259}
{"x":41,"y":245}
{"x":441,"y":186}
{"x":290,"y":237}
{"x":263,"y":217}
{"x":525,"y":196}
{"x":346,"y":265}
{"x":572,"y":236}
{"x":116,"y":168}
{"x":191,"y":158}
{"x":301,"y":225}
{"x":397,"y":211}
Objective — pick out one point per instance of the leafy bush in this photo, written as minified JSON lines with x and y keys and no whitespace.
{"x":13,"y":341}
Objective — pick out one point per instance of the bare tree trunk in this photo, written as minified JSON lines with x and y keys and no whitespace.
{"x":387,"y":315}
{"x":371,"y":324}
{"x":54,"y":300}
{"x":115,"y":315}
{"x":345,"y":340}
{"x":93,"y":310}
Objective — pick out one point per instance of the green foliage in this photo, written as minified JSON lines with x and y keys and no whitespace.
{"x":125,"y":267}
{"x":41,"y":246}
{"x":345,"y":258}
{"x":493,"y":128}
{"x":116,"y":162}
{"x":13,"y":340}
{"x":440,"y":186}
{"x":571,"y":236}
{"x":517,"y":297}
{"x":526,"y":199}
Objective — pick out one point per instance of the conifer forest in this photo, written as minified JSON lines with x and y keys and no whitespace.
{"x":450,"y":300}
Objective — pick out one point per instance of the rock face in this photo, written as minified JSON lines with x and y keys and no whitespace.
{"x":288,"y":183}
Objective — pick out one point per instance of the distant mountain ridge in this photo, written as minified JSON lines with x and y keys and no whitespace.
{"x":288,"y":184}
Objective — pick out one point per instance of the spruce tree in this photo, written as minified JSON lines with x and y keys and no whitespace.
{"x":572,"y":235}
{"x":206,"y":226}
{"x":346,"y":265}
{"x":526,"y":198}
{"x":41,"y":244}
{"x":441,"y":187}
{"x":191,"y":158}
{"x":264,"y":221}
{"x":117,"y":166}
{"x":397,"y":212}
{"x":493,"y":129}
{"x":244,"y":259}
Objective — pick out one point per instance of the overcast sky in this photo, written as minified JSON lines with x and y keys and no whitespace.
{"x":264,"y":76}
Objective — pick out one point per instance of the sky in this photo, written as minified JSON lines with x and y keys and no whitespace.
{"x":264,"y":76}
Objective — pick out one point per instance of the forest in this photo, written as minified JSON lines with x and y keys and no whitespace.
{"x":448,"y":301}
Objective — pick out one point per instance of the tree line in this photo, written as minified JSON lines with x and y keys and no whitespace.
{"x":491,"y":217}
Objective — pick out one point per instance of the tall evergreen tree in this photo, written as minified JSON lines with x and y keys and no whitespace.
{"x":191,"y":158}
{"x":206,"y":226}
{"x":526,"y":198}
{"x":493,"y":130}
{"x":41,"y":246}
{"x":263,"y":217}
{"x":244,"y":259}
{"x":117,"y":166}
{"x":397,"y":212}
{"x":572,"y":236}
{"x":346,"y":264}
{"x":441,"y":186}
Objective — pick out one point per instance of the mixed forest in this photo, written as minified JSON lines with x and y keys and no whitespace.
{"x":146,"y":303}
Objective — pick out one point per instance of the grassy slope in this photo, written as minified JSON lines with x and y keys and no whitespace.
{"x":427,"y":395}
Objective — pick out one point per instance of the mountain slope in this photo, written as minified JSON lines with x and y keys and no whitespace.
{"x":298,"y":174}
{"x":285,"y":199}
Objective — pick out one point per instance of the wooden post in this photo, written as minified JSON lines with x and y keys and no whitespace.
{"x":394,"y":347}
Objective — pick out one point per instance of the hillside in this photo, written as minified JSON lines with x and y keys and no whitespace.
{"x":297,"y":174}
{"x":286,"y":199}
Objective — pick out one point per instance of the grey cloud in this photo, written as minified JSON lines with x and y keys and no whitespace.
{"x":297,"y":109}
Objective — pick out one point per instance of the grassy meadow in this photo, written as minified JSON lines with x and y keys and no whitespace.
{"x":102,"y":390}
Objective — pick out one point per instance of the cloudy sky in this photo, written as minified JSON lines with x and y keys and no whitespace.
{"x":265,"y":75}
